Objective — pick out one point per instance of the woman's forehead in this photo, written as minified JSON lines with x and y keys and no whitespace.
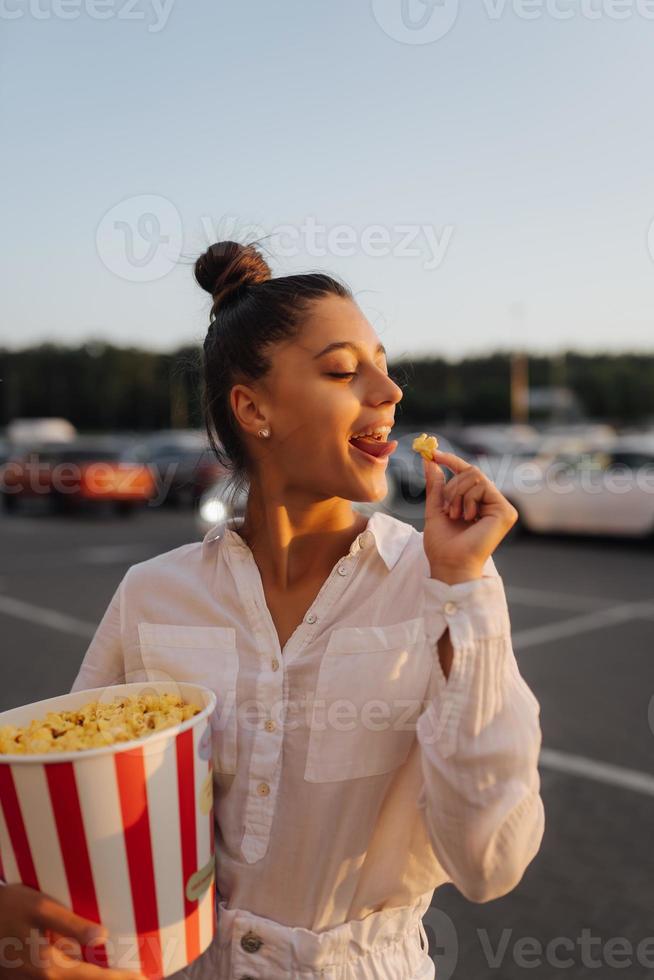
{"x":335,"y":324}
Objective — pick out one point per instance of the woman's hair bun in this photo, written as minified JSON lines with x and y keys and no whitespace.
{"x":227,"y":265}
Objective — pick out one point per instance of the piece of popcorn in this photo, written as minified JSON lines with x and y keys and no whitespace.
{"x":96,"y":724}
{"x":425,"y":445}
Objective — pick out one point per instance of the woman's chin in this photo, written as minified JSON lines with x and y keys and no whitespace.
{"x":372,"y":490}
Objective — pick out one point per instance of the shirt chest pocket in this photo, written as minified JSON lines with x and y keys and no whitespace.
{"x":204,"y":655}
{"x":370,"y":691}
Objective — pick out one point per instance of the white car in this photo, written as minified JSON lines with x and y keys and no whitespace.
{"x":603,"y":492}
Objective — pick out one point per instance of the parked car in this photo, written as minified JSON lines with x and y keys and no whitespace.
{"x":27,"y":432}
{"x":603,"y":492}
{"x":182,"y":463}
{"x":496,"y":439}
{"x":67,"y":476}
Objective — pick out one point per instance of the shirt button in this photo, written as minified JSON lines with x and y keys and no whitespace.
{"x":342,"y":570}
{"x":450,"y":607}
{"x":366,"y":539}
{"x":311,"y":618}
{"x":270,"y":726}
{"x":275,"y":663}
{"x":251,"y":942}
{"x":263,"y":789}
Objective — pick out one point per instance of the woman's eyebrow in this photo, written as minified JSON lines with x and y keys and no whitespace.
{"x":337,"y":344}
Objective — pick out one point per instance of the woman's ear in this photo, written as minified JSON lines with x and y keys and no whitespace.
{"x":248,"y":414}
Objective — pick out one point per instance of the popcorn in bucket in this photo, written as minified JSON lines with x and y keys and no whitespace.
{"x":120,"y":832}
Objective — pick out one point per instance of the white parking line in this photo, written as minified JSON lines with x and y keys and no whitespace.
{"x":109,"y":553}
{"x":602,"y":772}
{"x":536,"y":635}
{"x":538,"y":598}
{"x":46,"y":617}
{"x":106,"y":554}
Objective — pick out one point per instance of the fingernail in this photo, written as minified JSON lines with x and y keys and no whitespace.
{"x":95,"y":934}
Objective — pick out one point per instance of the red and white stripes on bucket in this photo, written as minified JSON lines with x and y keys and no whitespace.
{"x":123,"y":836}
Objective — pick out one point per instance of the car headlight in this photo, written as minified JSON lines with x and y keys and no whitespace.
{"x":213,"y":510}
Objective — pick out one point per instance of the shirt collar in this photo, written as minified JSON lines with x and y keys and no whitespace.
{"x":387,"y":533}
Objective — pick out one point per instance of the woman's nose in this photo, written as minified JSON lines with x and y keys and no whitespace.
{"x":395,"y":392}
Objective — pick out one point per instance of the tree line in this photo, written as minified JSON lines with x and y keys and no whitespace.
{"x":101,"y":387}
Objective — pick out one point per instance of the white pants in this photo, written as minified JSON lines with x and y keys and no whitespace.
{"x":386,"y":945}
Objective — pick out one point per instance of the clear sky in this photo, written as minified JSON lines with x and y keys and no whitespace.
{"x":479,"y":176}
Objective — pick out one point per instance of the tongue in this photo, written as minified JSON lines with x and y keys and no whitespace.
{"x":374,"y":447}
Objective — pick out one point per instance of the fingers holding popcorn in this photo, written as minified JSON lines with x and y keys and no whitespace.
{"x":472,"y":501}
{"x":469,"y":494}
{"x":465,"y":517}
{"x":459,"y":490}
{"x":464,"y":471}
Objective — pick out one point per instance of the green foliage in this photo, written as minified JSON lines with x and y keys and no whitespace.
{"x":100,"y":387}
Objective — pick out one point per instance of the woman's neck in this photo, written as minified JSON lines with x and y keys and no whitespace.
{"x":295,"y":543}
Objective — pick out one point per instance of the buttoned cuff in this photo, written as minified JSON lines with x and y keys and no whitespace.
{"x":477,"y":616}
{"x":473,"y":610}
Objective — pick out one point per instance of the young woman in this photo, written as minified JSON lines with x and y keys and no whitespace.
{"x":373,"y":737}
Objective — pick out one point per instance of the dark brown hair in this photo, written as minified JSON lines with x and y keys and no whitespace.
{"x":251,"y":312}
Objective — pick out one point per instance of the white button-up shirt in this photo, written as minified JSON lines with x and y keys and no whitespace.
{"x":350,"y":775}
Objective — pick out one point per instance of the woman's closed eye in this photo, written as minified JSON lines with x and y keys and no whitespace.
{"x":353,"y":374}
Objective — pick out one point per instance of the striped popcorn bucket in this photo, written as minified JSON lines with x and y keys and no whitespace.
{"x":122,"y":835}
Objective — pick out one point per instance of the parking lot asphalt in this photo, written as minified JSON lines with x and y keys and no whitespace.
{"x":582,"y":613}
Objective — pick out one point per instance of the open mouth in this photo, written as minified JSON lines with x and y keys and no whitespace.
{"x":374,"y":446}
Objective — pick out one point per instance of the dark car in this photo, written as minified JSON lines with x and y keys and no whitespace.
{"x":70,"y":475}
{"x":181,"y":462}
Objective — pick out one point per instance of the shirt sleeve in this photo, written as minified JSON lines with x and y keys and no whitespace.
{"x":104,"y":661}
{"x":479,"y":740}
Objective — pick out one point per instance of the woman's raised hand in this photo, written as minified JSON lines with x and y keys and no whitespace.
{"x":465,"y":518}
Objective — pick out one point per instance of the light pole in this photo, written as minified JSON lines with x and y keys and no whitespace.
{"x":519,"y":367}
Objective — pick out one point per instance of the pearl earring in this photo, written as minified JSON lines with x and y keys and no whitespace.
{"x":264,"y":433}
